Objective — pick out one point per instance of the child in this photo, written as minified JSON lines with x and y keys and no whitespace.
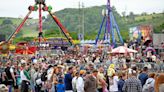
{"x":60,"y":87}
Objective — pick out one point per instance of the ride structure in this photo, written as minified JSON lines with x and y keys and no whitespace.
{"x":110,"y":24}
{"x":41,"y":6}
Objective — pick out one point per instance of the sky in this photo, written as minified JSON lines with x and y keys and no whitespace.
{"x":19,"y":8}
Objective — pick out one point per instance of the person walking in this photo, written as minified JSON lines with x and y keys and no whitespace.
{"x":80,"y":81}
{"x":10,"y":76}
{"x":132,"y":84}
{"x":25,"y":77}
{"x":150,"y":83}
{"x":143,"y":76}
{"x":121,"y":81}
{"x":91,"y":84}
{"x":68,"y":80}
{"x":60,"y":87}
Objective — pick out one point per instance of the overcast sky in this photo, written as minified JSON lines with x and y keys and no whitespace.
{"x":18,"y":8}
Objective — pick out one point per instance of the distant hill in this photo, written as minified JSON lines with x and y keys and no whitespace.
{"x":93,"y":17}
{"x":8,"y":26}
{"x":72,"y":20}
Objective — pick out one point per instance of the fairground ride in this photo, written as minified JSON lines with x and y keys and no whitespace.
{"x":110,"y":25}
{"x":40,"y":6}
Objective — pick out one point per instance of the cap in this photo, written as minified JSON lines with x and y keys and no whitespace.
{"x":82,"y":72}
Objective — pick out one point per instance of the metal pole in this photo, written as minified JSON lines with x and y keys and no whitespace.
{"x":79,"y":20}
{"x":18,"y":28}
{"x":83,"y":28}
{"x":40,"y":21}
{"x":63,"y":29}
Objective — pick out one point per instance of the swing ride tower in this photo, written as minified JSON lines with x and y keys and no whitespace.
{"x":110,"y":25}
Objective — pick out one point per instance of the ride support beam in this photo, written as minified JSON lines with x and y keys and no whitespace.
{"x":63,"y":29}
{"x":18,"y":28}
{"x":117,"y":30}
{"x":97,"y":38}
{"x":40,"y":22}
{"x":105,"y":31}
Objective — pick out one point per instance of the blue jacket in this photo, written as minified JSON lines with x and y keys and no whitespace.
{"x":120,"y":85}
{"x":68,"y":81}
{"x":143,"y":77}
{"x":60,"y":88}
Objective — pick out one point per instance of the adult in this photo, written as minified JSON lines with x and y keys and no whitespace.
{"x":74,"y":81}
{"x":113,"y":87}
{"x":132,"y":84}
{"x":11,"y":80}
{"x":101,"y":80}
{"x":143,"y":76}
{"x":68,"y":80}
{"x":149,"y":85}
{"x":90,"y":84}
{"x":121,"y":81}
{"x":25,"y":77}
{"x":80,"y":81}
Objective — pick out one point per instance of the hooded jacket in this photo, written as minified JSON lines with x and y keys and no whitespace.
{"x":90,"y":84}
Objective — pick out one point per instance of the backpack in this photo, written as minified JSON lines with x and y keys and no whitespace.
{"x":147,"y":87}
{"x":44,"y":76}
{"x":9,"y":79}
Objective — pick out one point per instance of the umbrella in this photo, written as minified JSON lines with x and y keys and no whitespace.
{"x":150,"y":49}
{"x":132,"y":51}
{"x":122,"y":49}
{"x":26,"y":51}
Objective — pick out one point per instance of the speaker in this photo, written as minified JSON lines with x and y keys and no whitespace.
{"x":2,"y":37}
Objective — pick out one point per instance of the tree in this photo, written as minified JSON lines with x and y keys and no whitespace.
{"x":7,"y":21}
{"x":131,"y":16}
{"x":113,"y":8}
{"x":43,"y":17}
{"x":124,"y":14}
{"x":154,"y":13}
{"x":144,"y":14}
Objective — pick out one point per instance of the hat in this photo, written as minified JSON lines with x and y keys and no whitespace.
{"x":112,"y":66}
{"x":82,"y":72}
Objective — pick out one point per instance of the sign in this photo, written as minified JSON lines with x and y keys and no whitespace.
{"x":142,"y":32}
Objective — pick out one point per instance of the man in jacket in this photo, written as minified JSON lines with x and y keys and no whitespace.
{"x":25,"y":77}
{"x":68,"y":80}
{"x":10,"y":76}
{"x":132,"y":84}
{"x":90,"y":84}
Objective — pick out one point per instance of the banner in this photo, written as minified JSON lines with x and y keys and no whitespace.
{"x":142,"y":32}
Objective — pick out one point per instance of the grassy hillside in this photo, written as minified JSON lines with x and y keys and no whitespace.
{"x":9,"y":25}
{"x":72,"y":20}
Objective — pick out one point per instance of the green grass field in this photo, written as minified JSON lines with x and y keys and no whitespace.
{"x":148,"y":17}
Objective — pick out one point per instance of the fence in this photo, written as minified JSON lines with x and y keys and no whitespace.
{"x":153,"y":67}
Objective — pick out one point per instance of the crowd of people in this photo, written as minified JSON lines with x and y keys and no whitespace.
{"x":77,"y":73}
